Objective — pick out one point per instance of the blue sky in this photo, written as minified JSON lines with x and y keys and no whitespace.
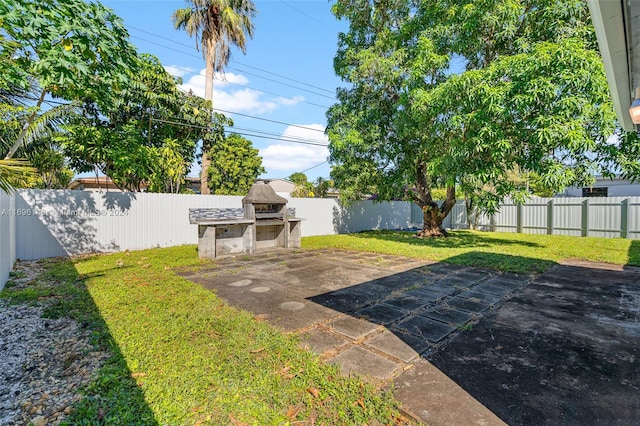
{"x":282,"y":86}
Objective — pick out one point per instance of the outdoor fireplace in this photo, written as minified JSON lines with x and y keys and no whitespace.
{"x":263,"y":222}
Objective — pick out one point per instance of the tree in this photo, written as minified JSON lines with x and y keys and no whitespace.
{"x":14,"y":173}
{"x":67,"y":49}
{"x":124,"y":141}
{"x":321,"y":187}
{"x":216,"y":25}
{"x":171,"y":169}
{"x":235,"y":165}
{"x":530,"y":94}
{"x":304,"y":188}
{"x":53,"y":171}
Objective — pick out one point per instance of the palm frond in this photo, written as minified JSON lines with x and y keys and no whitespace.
{"x":14,"y":173}
{"x":48,"y":122}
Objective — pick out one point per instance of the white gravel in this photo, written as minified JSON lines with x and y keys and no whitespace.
{"x":43,"y":362}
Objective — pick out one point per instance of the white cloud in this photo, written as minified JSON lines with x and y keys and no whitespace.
{"x":289,"y":101}
{"x":296,"y":156}
{"x":196,"y":82}
{"x":178,"y":71}
{"x":228,"y":98}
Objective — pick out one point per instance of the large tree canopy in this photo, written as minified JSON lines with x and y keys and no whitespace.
{"x":68,"y":49}
{"x":463,"y":93}
{"x":129,"y":141}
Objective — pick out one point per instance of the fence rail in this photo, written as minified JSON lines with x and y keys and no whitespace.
{"x":45,"y":223}
{"x":615,"y":217}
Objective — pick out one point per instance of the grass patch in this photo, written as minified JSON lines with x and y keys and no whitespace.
{"x":181,"y":356}
{"x":520,"y":253}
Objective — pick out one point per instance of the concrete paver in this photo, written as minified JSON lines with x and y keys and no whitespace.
{"x":353,"y":327}
{"x":392,"y":345}
{"x":358,"y":360}
{"x":320,"y":341}
{"x":376,"y":316}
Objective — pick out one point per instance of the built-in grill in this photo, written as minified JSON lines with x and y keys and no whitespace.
{"x":262,"y":203}
{"x":263,"y":222}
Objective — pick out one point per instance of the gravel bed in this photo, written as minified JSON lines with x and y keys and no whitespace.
{"x":43,"y":362}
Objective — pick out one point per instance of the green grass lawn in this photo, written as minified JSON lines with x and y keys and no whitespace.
{"x":181,"y":356}
{"x":521,"y":253}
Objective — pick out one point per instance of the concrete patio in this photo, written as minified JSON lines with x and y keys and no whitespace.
{"x":386,"y":318}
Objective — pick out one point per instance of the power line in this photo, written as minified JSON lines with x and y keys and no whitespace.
{"x":282,"y":139}
{"x":270,"y":121}
{"x":298,"y":138}
{"x":303,"y":13}
{"x":242,"y":85}
{"x":313,"y":167}
{"x":237,"y":69}
{"x":220,"y":110}
{"x":232,"y":60}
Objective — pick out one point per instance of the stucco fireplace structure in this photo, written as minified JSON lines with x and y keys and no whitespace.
{"x":264,"y":222}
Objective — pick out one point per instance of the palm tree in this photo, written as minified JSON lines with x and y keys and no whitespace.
{"x":216,"y":25}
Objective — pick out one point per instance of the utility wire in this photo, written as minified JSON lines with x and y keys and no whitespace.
{"x":282,"y":139}
{"x":216,"y":109}
{"x":232,"y":60}
{"x":313,"y":167}
{"x":237,"y":69}
{"x":303,"y":13}
{"x":298,"y":138}
{"x":242,"y":85}
{"x":270,"y":121}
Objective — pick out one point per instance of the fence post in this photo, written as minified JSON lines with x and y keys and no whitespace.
{"x":519,"y":218}
{"x":550,"y":217}
{"x":624,"y":218}
{"x":585,"y":218}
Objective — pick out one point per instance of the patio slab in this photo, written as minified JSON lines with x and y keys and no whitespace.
{"x":463,"y":346}
{"x":357,"y":360}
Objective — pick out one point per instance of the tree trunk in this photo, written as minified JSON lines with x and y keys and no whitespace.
{"x":432,"y":222}
{"x":25,"y":127}
{"x":432,"y":214}
{"x":208,"y":95}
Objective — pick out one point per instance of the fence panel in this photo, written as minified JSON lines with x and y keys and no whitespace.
{"x":63,"y":223}
{"x":7,"y":236}
{"x":49,"y":223}
{"x":611,"y":217}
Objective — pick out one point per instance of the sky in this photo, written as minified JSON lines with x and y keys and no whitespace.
{"x":277,"y":93}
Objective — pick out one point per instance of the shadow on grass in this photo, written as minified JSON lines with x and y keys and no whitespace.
{"x":634,"y":253}
{"x":457,"y":239}
{"x":113,"y":397}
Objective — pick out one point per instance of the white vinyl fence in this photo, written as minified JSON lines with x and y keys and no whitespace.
{"x":7,"y":236}
{"x":62,"y":223}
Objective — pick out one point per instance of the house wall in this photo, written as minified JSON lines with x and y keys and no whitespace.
{"x":7,"y":236}
{"x":617,"y":188}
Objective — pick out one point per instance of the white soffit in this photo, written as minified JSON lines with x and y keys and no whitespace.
{"x":609,"y":22}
